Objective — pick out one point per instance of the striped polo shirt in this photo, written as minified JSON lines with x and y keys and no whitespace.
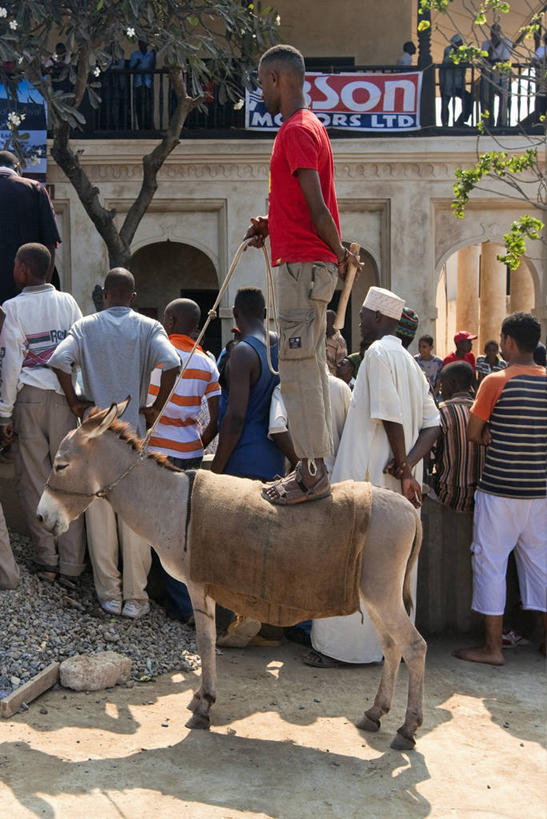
{"x":178,"y":434}
{"x":514,"y":403}
{"x":458,"y":461}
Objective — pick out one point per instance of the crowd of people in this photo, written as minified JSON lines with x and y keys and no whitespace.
{"x":379,"y":414}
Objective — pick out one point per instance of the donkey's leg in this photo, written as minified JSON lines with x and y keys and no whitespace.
{"x":204,"y":616}
{"x":399,"y":637}
{"x":392,"y":660}
{"x":414,"y":657}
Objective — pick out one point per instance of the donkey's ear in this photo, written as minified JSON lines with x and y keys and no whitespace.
{"x":122,"y":406}
{"x":99,"y":422}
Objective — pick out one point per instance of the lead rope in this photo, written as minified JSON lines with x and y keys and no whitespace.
{"x":212,"y":314}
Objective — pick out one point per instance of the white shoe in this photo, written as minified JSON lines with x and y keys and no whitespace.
{"x":111,"y":606}
{"x":135,"y":608}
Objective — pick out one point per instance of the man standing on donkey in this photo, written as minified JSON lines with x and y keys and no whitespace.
{"x":304,"y":231}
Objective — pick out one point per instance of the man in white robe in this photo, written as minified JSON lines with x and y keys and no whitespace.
{"x":393,"y":420}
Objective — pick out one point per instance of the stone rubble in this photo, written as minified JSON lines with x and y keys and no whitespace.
{"x":40,"y":624}
{"x":93,"y":672}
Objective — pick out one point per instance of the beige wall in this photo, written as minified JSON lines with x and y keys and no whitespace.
{"x":373,"y":32}
{"x":394,"y":198}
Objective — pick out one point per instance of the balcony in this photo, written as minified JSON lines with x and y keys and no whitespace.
{"x":137,"y":105}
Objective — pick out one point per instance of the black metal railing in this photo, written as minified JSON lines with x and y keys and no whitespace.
{"x":139,"y":104}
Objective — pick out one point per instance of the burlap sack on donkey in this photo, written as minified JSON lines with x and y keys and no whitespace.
{"x":277,"y":564}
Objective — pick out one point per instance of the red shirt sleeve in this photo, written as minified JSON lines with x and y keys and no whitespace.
{"x":301,"y":149}
{"x":488,"y":393}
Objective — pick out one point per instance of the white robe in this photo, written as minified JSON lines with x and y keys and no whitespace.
{"x":390,"y":386}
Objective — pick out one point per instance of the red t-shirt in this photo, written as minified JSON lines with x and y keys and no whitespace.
{"x":469,"y":357}
{"x":301,"y":142}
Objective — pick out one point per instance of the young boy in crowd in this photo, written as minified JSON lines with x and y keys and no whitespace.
{"x":32,"y":403}
{"x":430,"y":364}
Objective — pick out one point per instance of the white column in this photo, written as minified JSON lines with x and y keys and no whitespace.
{"x":522,"y":289}
{"x":493,"y":305}
{"x":467,"y":304}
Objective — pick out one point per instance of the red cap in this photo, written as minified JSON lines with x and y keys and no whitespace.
{"x":463,"y":335}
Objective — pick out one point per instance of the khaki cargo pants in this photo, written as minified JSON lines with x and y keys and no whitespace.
{"x":303,"y":291}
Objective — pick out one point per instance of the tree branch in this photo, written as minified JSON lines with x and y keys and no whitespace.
{"x":152,"y":162}
{"x":102,"y":218}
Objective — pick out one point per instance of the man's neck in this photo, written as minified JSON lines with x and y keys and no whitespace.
{"x":292,"y":104}
{"x":522,"y":360}
{"x":253,"y":328}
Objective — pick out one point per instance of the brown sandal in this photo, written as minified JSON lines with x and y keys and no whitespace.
{"x":292,"y":489}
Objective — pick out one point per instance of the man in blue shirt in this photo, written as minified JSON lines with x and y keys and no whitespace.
{"x":143,"y":60}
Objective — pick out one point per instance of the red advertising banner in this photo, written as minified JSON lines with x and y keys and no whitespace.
{"x":359,"y":102}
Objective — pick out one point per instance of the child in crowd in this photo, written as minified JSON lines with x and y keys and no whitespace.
{"x":429,"y":363}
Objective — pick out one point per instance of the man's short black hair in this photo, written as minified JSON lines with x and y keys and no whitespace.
{"x":427,"y":339}
{"x":119,"y":280}
{"x":249,"y":301}
{"x":409,"y":47}
{"x":524,"y":329}
{"x":491,"y":341}
{"x":8,"y":160}
{"x":290,"y":56}
{"x":461,"y":372}
{"x":37,"y":257}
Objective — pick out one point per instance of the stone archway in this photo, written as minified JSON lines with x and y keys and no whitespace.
{"x":475,"y":291}
{"x":170,"y":270}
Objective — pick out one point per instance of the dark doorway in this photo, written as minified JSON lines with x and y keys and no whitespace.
{"x":212,"y":340}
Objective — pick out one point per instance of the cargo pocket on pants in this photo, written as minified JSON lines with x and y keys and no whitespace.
{"x":296,"y":333}
{"x":323,"y":282}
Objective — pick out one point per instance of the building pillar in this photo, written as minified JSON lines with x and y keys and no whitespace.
{"x":522,"y":289}
{"x":493,"y":303}
{"x":467,"y":304}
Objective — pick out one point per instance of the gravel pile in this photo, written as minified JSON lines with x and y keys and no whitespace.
{"x":42,"y":622}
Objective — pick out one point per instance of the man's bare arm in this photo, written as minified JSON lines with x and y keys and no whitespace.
{"x":76,"y":404}
{"x":167,"y":381}
{"x":240,"y":372}
{"x":212,"y":427}
{"x":322,"y":220}
{"x":410,"y":488}
{"x":478,"y":430}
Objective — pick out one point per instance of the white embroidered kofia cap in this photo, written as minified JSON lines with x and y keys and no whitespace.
{"x":385,"y":302}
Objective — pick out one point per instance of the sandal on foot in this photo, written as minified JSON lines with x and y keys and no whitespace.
{"x":68,"y":582}
{"x":318,"y":660}
{"x":44,"y":574}
{"x":292,"y":489}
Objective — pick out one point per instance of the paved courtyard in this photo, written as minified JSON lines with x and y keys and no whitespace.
{"x":284,"y":744}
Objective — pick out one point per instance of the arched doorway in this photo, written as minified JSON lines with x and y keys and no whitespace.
{"x":170,"y":270}
{"x":475,"y":292}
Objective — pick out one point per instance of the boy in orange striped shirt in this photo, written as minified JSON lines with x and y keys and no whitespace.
{"x":178,"y":434}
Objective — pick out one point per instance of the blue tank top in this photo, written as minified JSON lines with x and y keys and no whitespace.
{"x":255,"y":456}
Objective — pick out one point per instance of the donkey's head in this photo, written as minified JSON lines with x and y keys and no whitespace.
{"x":80,"y":470}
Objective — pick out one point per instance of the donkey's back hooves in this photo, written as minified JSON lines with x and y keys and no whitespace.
{"x":402,"y":743}
{"x":367,"y":724}
{"x":199,"y":721}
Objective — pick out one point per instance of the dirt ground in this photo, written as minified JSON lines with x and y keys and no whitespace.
{"x":284,"y":744}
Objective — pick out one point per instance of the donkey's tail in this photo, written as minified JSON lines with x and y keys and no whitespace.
{"x":412,"y":558}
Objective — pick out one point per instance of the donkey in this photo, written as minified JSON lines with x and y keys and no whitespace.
{"x":101,"y":458}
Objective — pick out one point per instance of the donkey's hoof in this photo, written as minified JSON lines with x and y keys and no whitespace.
{"x":199,"y":721}
{"x":194,"y":702}
{"x":368,"y":724}
{"x":402,"y":743}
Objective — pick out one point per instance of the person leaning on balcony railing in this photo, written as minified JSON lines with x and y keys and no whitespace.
{"x":496,"y":83}
{"x":452,"y":84}
{"x":540,"y":63}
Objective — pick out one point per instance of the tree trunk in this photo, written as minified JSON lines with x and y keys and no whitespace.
{"x":118,"y":242}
